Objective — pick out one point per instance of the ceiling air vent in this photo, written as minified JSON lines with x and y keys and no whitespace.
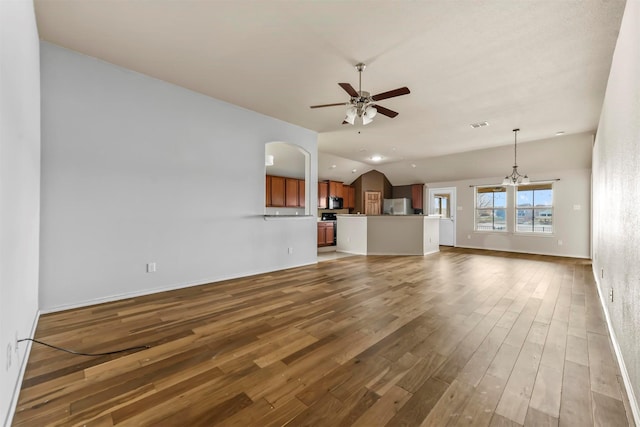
{"x":479,"y":125}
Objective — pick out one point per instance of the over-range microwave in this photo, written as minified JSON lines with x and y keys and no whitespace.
{"x":335,"y":202}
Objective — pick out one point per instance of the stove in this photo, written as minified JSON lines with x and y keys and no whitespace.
{"x":329,"y":216}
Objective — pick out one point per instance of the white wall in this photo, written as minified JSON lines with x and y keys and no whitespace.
{"x":571,"y":226}
{"x":136,"y":170}
{"x":616,"y":197}
{"x":19,"y":191}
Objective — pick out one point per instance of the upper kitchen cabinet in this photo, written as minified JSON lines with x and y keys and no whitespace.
{"x":323,"y":194}
{"x":417,"y":190}
{"x":291,"y":192}
{"x":285,"y":192}
{"x":349,"y":197}
{"x":335,"y":189}
{"x":277,"y":191}
{"x":329,"y":189}
{"x":267,"y":190}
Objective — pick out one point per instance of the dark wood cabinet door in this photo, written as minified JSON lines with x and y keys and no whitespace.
{"x":323,"y":194}
{"x":329,"y":234}
{"x":325,"y":233}
{"x":277,"y":191}
{"x":336,"y":189}
{"x":267,"y":192}
{"x":322,"y":239}
{"x":349,"y":197}
{"x":291,"y":192}
{"x":301,"y":193}
{"x":416,"y":196}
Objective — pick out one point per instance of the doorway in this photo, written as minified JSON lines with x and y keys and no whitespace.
{"x":372,"y":202}
{"x":442,"y":201}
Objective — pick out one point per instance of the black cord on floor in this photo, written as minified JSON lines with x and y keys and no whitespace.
{"x":140,"y":347}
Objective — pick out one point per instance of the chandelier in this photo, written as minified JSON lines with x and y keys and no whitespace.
{"x":515,"y":178}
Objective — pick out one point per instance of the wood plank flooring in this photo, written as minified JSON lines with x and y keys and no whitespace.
{"x":457,"y":338}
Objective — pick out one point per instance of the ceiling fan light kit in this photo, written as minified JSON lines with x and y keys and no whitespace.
{"x":362,"y":104}
{"x":515,"y":178}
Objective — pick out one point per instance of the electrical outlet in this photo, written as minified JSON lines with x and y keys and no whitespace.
{"x":559,"y":242}
{"x":611,"y":294}
{"x":151,"y":267}
{"x":290,"y":250}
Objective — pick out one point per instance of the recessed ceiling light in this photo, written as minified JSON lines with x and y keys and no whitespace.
{"x":479,"y":125}
{"x":354,"y":170}
{"x":560,"y":132}
{"x":376,"y":158}
{"x":413,"y":165}
{"x":333,"y":166}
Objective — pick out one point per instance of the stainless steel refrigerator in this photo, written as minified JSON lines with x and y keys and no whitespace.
{"x":397,"y":207}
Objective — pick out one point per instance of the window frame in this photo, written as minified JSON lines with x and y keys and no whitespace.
{"x":491,"y":189}
{"x":539,"y":186}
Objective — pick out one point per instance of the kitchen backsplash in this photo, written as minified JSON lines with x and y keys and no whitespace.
{"x":284,"y":211}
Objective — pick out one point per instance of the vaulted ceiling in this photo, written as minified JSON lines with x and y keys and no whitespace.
{"x":538,"y":65}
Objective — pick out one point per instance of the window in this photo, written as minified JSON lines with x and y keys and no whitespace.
{"x":441,"y":205}
{"x":491,"y":208}
{"x":534,"y":208}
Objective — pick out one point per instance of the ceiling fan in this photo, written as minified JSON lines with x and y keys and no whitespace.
{"x":362,"y":103}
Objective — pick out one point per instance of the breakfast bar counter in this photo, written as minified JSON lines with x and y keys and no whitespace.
{"x":388,"y":234}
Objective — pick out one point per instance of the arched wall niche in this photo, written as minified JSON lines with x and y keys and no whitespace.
{"x":285,"y":159}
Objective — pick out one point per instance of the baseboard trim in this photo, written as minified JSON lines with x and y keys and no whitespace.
{"x":523,"y":252}
{"x":173,"y":287}
{"x":633,"y":402}
{"x":23,"y":367}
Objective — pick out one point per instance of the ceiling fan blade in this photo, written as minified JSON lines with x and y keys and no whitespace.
{"x":386,"y":111}
{"x":391,"y":94}
{"x":329,"y":105}
{"x":349,"y":89}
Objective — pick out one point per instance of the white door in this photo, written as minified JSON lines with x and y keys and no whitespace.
{"x":442,"y":201}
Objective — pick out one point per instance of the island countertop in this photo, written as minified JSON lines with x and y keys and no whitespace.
{"x":388,"y":234}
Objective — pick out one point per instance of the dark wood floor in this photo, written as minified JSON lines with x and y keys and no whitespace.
{"x":456,"y":338}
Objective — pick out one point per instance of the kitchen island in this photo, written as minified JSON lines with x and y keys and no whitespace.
{"x":388,"y":234}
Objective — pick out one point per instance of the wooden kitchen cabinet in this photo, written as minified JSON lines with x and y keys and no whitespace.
{"x":336,"y":189}
{"x":301,"y":193}
{"x":291,"y":192}
{"x":267,"y":190}
{"x":349,"y":197}
{"x":417,"y":190}
{"x":323,"y":194}
{"x":325,"y":233}
{"x":281,"y":191}
{"x":277,"y":191}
